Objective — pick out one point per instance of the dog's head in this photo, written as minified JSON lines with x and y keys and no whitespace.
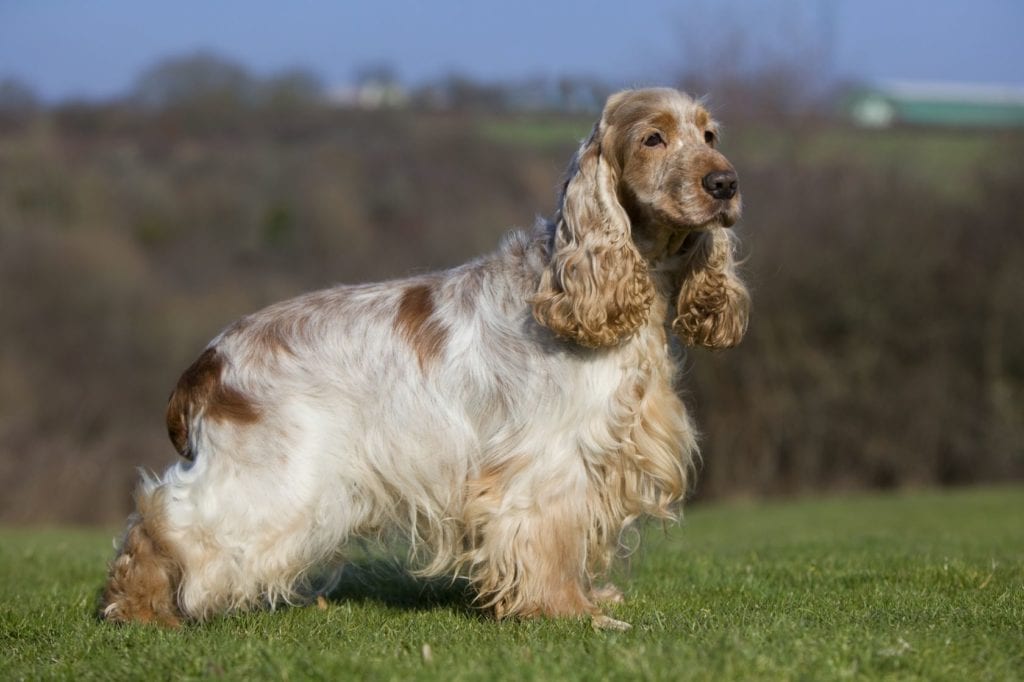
{"x":662,"y":144}
{"x":647,"y":177}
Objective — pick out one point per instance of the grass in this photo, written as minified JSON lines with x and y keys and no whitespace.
{"x":925,"y":585}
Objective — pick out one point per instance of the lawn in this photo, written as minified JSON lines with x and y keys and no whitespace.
{"x":923,"y":585}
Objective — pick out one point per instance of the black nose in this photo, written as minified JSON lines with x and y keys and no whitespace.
{"x":721,"y":184}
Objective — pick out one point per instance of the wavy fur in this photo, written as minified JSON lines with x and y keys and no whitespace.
{"x":596,"y":290}
{"x":507,"y":419}
{"x":713,"y":305}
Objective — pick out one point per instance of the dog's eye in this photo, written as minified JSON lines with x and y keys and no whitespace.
{"x":653,"y":140}
{"x":710,"y":138}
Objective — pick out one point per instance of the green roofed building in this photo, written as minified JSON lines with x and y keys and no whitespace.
{"x":936,"y":104}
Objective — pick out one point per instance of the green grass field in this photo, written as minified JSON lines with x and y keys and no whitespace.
{"x":926,"y":585}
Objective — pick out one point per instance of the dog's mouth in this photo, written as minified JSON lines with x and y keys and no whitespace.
{"x":683,"y":216}
{"x":726,"y":213}
{"x":685,"y":234}
{"x":717,"y":213}
{"x":722,"y":218}
{"x":726,"y":219}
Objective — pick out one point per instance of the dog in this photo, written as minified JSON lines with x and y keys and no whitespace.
{"x":507,"y":418}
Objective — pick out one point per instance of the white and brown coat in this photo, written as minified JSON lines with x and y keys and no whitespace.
{"x":509,"y":418}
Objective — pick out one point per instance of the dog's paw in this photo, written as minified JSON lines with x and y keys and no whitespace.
{"x":127,"y":612}
{"x":602,"y":622}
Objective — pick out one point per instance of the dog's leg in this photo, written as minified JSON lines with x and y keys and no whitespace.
{"x":540,"y":573}
{"x":144,"y":577}
{"x":226,"y":533}
{"x":533,"y":563}
{"x":255,"y":551}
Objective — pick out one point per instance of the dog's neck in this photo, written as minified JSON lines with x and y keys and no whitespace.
{"x":655,"y":238}
{"x":658,"y":241}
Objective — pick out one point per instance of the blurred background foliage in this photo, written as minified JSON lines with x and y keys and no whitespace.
{"x":886,"y":347}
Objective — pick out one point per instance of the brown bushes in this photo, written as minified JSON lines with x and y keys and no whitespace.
{"x":885,"y":347}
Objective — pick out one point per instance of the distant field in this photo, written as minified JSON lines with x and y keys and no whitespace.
{"x":926,"y":585}
{"x":537,"y":132}
{"x":954,"y":162}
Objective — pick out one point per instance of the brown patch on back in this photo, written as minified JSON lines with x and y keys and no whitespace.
{"x":201,"y":388}
{"x":416,"y":323}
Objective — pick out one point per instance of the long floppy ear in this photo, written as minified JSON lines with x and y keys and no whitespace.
{"x":713,"y":303}
{"x":595,"y":290}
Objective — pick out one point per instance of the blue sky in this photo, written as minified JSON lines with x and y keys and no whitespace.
{"x":95,"y":49}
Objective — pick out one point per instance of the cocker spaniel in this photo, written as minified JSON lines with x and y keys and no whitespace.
{"x":508,"y":418}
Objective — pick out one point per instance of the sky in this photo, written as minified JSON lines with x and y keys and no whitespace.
{"x":95,"y":49}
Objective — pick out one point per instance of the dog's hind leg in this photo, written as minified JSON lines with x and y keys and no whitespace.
{"x":225,"y":533}
{"x":143,"y":580}
{"x":247,"y":540}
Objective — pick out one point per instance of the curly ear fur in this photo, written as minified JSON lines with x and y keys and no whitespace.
{"x":596,"y":290}
{"x":713,"y":303}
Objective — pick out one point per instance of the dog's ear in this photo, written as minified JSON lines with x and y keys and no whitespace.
{"x":595,"y":290}
{"x":714,"y":305}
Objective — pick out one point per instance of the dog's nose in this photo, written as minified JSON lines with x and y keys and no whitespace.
{"x":721,"y":184}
